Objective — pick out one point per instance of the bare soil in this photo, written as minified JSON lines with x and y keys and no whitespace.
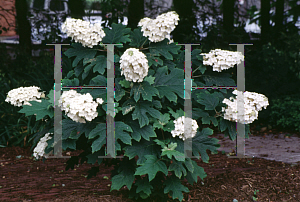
{"x":24,"y":179}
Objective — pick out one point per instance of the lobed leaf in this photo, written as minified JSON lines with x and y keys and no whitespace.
{"x":38,"y":108}
{"x":141,"y":108}
{"x":137,"y":38}
{"x":151,"y":166}
{"x":175,"y":188}
{"x":164,"y":49}
{"x":80,"y":52}
{"x":119,"y":34}
{"x":168,"y":85}
{"x":145,"y":89}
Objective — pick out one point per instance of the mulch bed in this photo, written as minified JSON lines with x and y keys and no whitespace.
{"x":25,"y":179}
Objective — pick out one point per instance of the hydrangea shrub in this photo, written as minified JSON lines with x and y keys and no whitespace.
{"x":149,"y":98}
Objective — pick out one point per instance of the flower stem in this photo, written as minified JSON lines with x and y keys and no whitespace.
{"x":143,"y":44}
{"x":197,"y":76}
{"x":162,"y":133}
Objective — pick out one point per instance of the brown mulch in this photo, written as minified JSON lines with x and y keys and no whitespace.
{"x":27,"y":180}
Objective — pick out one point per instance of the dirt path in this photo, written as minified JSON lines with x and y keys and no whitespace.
{"x":278,"y":147}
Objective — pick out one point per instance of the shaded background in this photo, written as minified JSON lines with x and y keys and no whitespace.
{"x":271,"y":63}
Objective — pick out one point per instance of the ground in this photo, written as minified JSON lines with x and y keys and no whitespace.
{"x":24,"y":179}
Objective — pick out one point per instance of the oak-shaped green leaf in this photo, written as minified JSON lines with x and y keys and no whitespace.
{"x":98,"y":63}
{"x":38,"y":108}
{"x":141,"y":149}
{"x":206,"y":119}
{"x":145,"y":89}
{"x":99,"y":80}
{"x":70,"y":82}
{"x":125,"y":177}
{"x":70,"y":127}
{"x":177,"y":114}
{"x":120,"y":127}
{"x":177,"y":155}
{"x":119,"y":34}
{"x":189,"y":164}
{"x":100,"y":133}
{"x":163,"y":120}
{"x":124,"y":83}
{"x":80,"y":52}
{"x":178,"y":168}
{"x":168,"y":85}
{"x":174,"y":187}
{"x":198,"y":172}
{"x":141,"y":108}
{"x":137,"y":38}
{"x":146,"y":132}
{"x":210,"y":101}
{"x":143,"y":185}
{"x":164,"y":49}
{"x":153,"y":59}
{"x":162,"y":143}
{"x":169,"y":126}
{"x":149,"y":79}
{"x":151,"y":166}
{"x":201,"y":143}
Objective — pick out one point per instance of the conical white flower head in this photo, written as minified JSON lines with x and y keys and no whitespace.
{"x":82,"y":32}
{"x":23,"y":94}
{"x":134,"y":65}
{"x":179,"y":128}
{"x":160,"y":28}
{"x":244,"y":108}
{"x":222,"y":59}
{"x":79,"y":107}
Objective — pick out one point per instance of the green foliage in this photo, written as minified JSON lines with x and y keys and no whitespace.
{"x":40,"y":107}
{"x":151,"y":166}
{"x":137,"y":38}
{"x":174,"y":186}
{"x":117,"y":35}
{"x":286,"y":112}
{"x":168,"y":85}
{"x":15,"y":73}
{"x":80,"y":53}
{"x":163,"y":49}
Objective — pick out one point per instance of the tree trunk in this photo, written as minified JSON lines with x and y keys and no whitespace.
{"x":184,"y":31}
{"x":265,"y":20}
{"x":228,"y":17}
{"x":135,"y":12}
{"x":76,"y":8}
{"x":279,"y":17}
{"x":23,"y":26}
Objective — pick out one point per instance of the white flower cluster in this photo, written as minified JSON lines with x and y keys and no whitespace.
{"x":222,"y":59}
{"x":134,"y":65}
{"x":79,"y":107}
{"x":160,"y":28}
{"x":39,"y":150}
{"x":82,"y":32}
{"x":253,"y":102}
{"x":179,"y":128}
{"x":23,"y":94}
